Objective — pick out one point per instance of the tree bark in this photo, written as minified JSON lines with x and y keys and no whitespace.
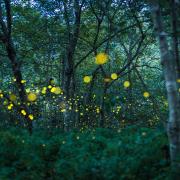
{"x":175,"y":36}
{"x":169,"y":68}
{"x":6,"y":38}
{"x":68,"y":62}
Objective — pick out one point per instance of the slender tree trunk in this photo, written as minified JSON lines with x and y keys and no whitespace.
{"x":175,"y":37}
{"x":68,"y":62}
{"x":6,"y":38}
{"x":169,"y":64}
{"x":18,"y":76}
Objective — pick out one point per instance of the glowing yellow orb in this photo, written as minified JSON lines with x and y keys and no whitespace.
{"x":87,"y":79}
{"x":5,"y":102}
{"x":31,"y":117}
{"x":23,"y":112}
{"x":28,"y":90}
{"x":31,"y":97}
{"x":146,"y":94}
{"x":126,"y":84}
{"x":114,"y":76}
{"x":10,"y":106}
{"x":12,"y":97}
{"x":23,"y":81}
{"x":44,"y":90}
{"x":101,"y":58}
{"x":56,"y":90}
{"x":63,"y":110}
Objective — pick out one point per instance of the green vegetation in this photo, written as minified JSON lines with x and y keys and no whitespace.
{"x":89,"y":89}
{"x":132,"y":153}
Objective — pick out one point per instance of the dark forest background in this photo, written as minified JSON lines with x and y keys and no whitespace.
{"x":89,"y":89}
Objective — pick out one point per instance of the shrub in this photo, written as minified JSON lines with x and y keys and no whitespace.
{"x":132,"y":153}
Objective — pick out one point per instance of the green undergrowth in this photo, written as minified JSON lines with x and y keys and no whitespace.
{"x":131,"y":153}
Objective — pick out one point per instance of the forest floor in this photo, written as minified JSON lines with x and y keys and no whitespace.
{"x":130,"y":153}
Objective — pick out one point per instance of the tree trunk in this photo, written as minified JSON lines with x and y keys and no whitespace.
{"x":175,"y":36}
{"x":169,"y":68}
{"x":68,"y":62}
{"x":18,"y":76}
{"x":6,"y":38}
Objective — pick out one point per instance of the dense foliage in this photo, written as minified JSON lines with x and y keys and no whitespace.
{"x":83,"y":94}
{"x":132,"y":153}
{"x":94,"y":68}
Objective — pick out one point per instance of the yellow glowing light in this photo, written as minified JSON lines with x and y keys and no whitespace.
{"x":28,"y":90}
{"x":63,"y":110}
{"x":37,"y":91}
{"x":31,"y":117}
{"x":146,"y":94}
{"x":126,"y":84}
{"x":23,"y":81}
{"x":101,"y":58}
{"x":87,"y":79}
{"x":10,"y":106}
{"x":56,"y":90}
{"x":31,"y":97}
{"x":23,"y":112}
{"x":98,"y":110}
{"x":53,"y":89}
{"x":12,"y":97}
{"x":44,"y":90}
{"x":5,"y":102}
{"x":107,"y":80}
{"x":114,"y":76}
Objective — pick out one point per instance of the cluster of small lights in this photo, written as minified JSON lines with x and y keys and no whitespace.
{"x":71,"y":104}
{"x":116,"y":109}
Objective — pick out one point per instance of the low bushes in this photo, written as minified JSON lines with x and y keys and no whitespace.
{"x":131,"y":153}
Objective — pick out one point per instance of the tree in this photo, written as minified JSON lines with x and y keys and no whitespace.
{"x":7,"y":40}
{"x":168,"y":61}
